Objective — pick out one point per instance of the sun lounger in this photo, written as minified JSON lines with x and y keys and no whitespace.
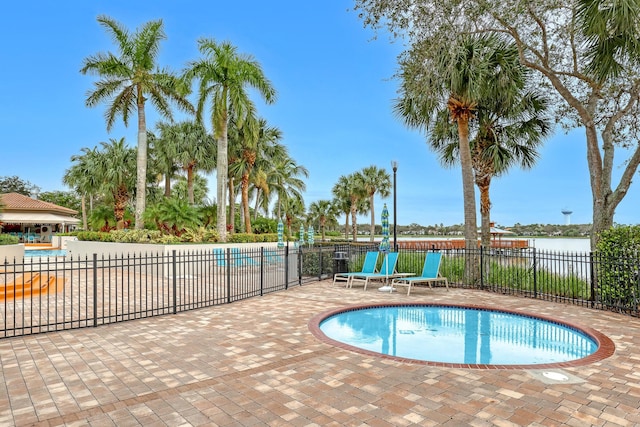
{"x":387,"y":271}
{"x":369,"y":266}
{"x":271,"y":257}
{"x":430,"y":274}
{"x":30,"y":284}
{"x":242,"y":259}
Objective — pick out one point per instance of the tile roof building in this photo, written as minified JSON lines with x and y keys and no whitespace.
{"x":21,"y":213}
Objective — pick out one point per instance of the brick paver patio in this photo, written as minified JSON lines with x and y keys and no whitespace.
{"x":255,"y":363}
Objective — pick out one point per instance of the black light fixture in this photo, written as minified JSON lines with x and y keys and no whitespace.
{"x":394,"y":166}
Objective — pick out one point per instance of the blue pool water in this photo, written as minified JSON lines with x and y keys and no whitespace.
{"x":45,"y":253}
{"x":458,"y":335}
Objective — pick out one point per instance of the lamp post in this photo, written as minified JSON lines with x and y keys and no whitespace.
{"x":394,"y":166}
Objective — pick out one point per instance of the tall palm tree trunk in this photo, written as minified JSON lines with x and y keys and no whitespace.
{"x":373,"y":218}
{"x":167,"y":185}
{"x":354,"y":226}
{"x":222,"y":173}
{"x":485,"y":214}
{"x":83,"y":201}
{"x":232,"y":206}
{"x":121,"y":197}
{"x":141,"y":175}
{"x":245,"y":202}
{"x":468,"y":190}
{"x":190,"y":184}
{"x":346,"y":225}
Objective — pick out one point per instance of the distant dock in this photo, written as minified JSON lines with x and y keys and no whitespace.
{"x":442,"y":244}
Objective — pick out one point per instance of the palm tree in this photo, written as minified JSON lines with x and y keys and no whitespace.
{"x":458,"y":77}
{"x":81,"y":176}
{"x":611,"y":31}
{"x":375,"y":181}
{"x":173,"y":216}
{"x":197,"y":188}
{"x":292,"y":207}
{"x":510,"y":126}
{"x":101,"y":218}
{"x":224,"y":76}
{"x":352,"y":187}
{"x":509,"y":135}
{"x":257,"y":144}
{"x":162,"y":154}
{"x":127,"y":81}
{"x":115,"y":169}
{"x":285,"y":179}
{"x":324,"y":212}
{"x":193,"y":149}
{"x":342,"y":203}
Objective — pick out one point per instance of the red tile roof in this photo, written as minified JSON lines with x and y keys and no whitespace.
{"x":11,"y":202}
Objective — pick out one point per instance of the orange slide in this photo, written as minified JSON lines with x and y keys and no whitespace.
{"x":30,"y":284}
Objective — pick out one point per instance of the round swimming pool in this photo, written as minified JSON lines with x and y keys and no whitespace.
{"x":455,"y":335}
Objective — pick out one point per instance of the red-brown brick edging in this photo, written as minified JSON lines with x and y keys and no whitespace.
{"x":606,"y":347}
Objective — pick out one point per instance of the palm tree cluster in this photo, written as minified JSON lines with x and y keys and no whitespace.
{"x":243,"y":148}
{"x":479,"y":112}
{"x":353,"y":195}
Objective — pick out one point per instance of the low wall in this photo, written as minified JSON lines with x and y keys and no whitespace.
{"x":82,"y":249}
{"x":9,"y":253}
{"x":61,"y":241}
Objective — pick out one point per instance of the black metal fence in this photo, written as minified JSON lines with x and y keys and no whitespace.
{"x":58,"y":293}
{"x":581,"y":278}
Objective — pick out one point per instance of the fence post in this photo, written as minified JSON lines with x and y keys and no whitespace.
{"x":481,"y":267}
{"x":320,"y":264}
{"x":175,"y":282}
{"x":300,"y":265}
{"x":95,"y":290}
{"x":228,"y":263}
{"x":535,"y":275}
{"x":592,"y":286}
{"x":286,"y":266}
{"x":261,"y":270}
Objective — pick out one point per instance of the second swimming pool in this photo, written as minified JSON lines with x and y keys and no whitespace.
{"x":458,"y":335}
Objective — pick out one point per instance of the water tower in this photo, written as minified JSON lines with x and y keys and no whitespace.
{"x":567,"y":216}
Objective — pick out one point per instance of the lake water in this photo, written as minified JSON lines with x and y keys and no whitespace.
{"x":560,"y":244}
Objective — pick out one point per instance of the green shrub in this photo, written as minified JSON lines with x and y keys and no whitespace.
{"x":617,"y":272}
{"x":251,"y":238}
{"x":200,"y":235}
{"x":95,"y":236}
{"x":7,"y":239}
{"x":135,"y":236}
{"x":311,"y":263}
{"x":264,"y":225}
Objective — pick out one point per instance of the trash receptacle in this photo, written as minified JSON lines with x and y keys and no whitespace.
{"x":340,"y":262}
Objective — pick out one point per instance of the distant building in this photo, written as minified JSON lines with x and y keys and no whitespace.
{"x":33,"y":220}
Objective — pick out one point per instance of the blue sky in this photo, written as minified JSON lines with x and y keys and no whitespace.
{"x":335,"y":92}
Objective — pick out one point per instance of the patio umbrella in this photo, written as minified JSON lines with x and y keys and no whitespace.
{"x":280,"y":234}
{"x":384,"y":244}
{"x":310,"y":235}
{"x":301,"y":240}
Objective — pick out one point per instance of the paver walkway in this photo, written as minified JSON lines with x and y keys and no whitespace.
{"x":255,"y":363}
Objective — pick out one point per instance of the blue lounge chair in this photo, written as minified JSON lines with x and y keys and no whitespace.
{"x":271,"y":257}
{"x":369,"y":266}
{"x":220,"y":257}
{"x":241,"y":259}
{"x":430,"y":273}
{"x":387,"y":271}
